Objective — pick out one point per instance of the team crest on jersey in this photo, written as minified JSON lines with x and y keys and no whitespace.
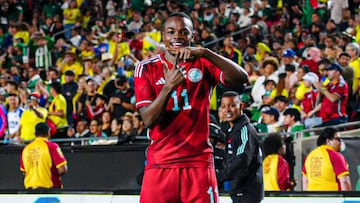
{"x":195,"y":75}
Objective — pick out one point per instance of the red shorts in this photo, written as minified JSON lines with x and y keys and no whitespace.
{"x":179,"y":185}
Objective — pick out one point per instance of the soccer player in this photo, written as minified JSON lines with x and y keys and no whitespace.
{"x":172,"y":92}
{"x":42,"y":162}
{"x":325,"y":169}
{"x":243,"y":154}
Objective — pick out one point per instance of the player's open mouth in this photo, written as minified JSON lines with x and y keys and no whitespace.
{"x":177,"y":44}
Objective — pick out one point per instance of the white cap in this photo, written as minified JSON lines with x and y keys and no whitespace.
{"x":311,"y":77}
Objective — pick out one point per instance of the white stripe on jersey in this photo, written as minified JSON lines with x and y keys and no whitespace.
{"x":143,"y":102}
{"x":139,"y":68}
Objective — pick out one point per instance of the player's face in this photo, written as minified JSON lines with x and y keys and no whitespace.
{"x":178,"y":32}
{"x":231,"y":108}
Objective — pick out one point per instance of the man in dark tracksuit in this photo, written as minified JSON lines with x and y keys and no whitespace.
{"x":244,"y":156}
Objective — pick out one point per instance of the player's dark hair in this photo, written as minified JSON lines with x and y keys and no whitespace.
{"x":181,"y":14}
{"x":272,"y":144}
{"x":231,"y":94}
{"x":327,"y":133}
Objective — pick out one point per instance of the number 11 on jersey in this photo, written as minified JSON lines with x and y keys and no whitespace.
{"x":184,"y":94}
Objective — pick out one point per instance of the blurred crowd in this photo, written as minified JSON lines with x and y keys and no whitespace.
{"x":71,"y":62}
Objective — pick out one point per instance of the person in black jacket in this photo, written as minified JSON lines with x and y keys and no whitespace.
{"x":244,"y":156}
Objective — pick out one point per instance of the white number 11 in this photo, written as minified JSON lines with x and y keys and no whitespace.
{"x":185,"y":95}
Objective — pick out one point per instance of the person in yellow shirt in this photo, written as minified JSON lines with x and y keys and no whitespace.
{"x":70,"y":63}
{"x":117,"y":48}
{"x":276,"y":169}
{"x":71,"y":16}
{"x":325,"y":168}
{"x":353,"y":50}
{"x":30,"y":117}
{"x":42,"y":162}
{"x":57,"y":110}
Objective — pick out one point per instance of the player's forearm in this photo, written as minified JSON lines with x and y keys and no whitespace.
{"x":234,"y":74}
{"x":153,"y":113}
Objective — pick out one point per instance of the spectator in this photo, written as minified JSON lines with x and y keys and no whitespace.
{"x":281,"y":103}
{"x":88,"y":96}
{"x":335,"y":96}
{"x":32,"y":116}
{"x":244,"y":159}
{"x":116,"y":127}
{"x":139,"y":125}
{"x":276,"y":168}
{"x":293,"y":123}
{"x":70,"y":62}
{"x":270,"y":117}
{"x":72,"y":15}
{"x":325,"y":169}
{"x":13,"y":118}
{"x":44,"y":168}
{"x":269,"y":66}
{"x":82,"y":129}
{"x":95,"y":131}
{"x":98,"y":109}
{"x":127,"y":132}
{"x":42,"y":47}
{"x":69,"y":89}
{"x":123,"y":99}
{"x":309,"y":102}
{"x":34,"y":77}
{"x":106,"y":123}
{"x":288,"y":57}
{"x":58,"y":111}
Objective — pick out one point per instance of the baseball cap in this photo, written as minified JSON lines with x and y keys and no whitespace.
{"x":334,"y":66}
{"x":271,"y":111}
{"x":41,"y":128}
{"x":311,"y":77}
{"x":35,"y":95}
{"x":288,"y":53}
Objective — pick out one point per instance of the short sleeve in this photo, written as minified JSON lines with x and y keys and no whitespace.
{"x":57,"y":155}
{"x":143,"y":89}
{"x":339,"y":164}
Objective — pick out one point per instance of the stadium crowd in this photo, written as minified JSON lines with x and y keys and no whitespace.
{"x":71,"y":62}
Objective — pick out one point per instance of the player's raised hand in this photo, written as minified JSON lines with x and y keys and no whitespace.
{"x":175,"y":76}
{"x":187,"y":53}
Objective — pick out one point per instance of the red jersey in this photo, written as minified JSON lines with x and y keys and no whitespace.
{"x":309,"y":101}
{"x":331,"y":110}
{"x":181,"y":139}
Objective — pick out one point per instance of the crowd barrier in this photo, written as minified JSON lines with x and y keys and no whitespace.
{"x":114,"y":167}
{"x":120,"y":167}
{"x":115,"y":197}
